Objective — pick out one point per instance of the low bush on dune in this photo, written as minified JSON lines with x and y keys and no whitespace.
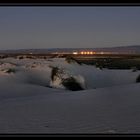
{"x":72,"y":60}
{"x":10,"y":70}
{"x":71,"y":84}
{"x":61,"y":78}
{"x":138,"y":79}
{"x":55,"y":72}
{"x":134,"y":69}
{"x":20,"y":57}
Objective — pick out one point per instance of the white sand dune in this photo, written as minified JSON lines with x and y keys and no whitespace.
{"x":28,"y":106}
{"x":105,"y":110}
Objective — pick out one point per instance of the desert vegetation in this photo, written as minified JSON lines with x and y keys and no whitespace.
{"x":138,"y":79}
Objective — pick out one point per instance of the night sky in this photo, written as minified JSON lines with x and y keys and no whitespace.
{"x":68,"y":27}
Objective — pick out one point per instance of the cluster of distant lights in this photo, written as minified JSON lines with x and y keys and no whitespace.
{"x":85,"y":52}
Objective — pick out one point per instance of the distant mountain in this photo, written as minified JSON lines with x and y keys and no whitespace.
{"x":122,"y":49}
{"x":119,"y":49}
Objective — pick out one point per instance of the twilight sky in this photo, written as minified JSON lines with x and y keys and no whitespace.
{"x":61,"y":27}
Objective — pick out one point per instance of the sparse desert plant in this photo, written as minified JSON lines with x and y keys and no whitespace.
{"x":134,"y":69}
{"x":10,"y":70}
{"x":64,"y":79}
{"x":71,"y":84}
{"x":138,"y":79}
{"x":55,"y":72}
{"x":72,"y":60}
{"x":29,"y":57}
{"x":44,"y":57}
{"x":20,"y":57}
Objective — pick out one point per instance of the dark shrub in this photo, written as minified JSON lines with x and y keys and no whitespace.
{"x":134,"y":69}
{"x":29,"y":57}
{"x":11,"y":70}
{"x":21,"y":57}
{"x":72,"y":60}
{"x":138,"y":79}
{"x":71,"y":84}
{"x":55,"y":71}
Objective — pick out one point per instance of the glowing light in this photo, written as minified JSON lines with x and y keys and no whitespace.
{"x":82,"y":52}
{"x":75,"y":52}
